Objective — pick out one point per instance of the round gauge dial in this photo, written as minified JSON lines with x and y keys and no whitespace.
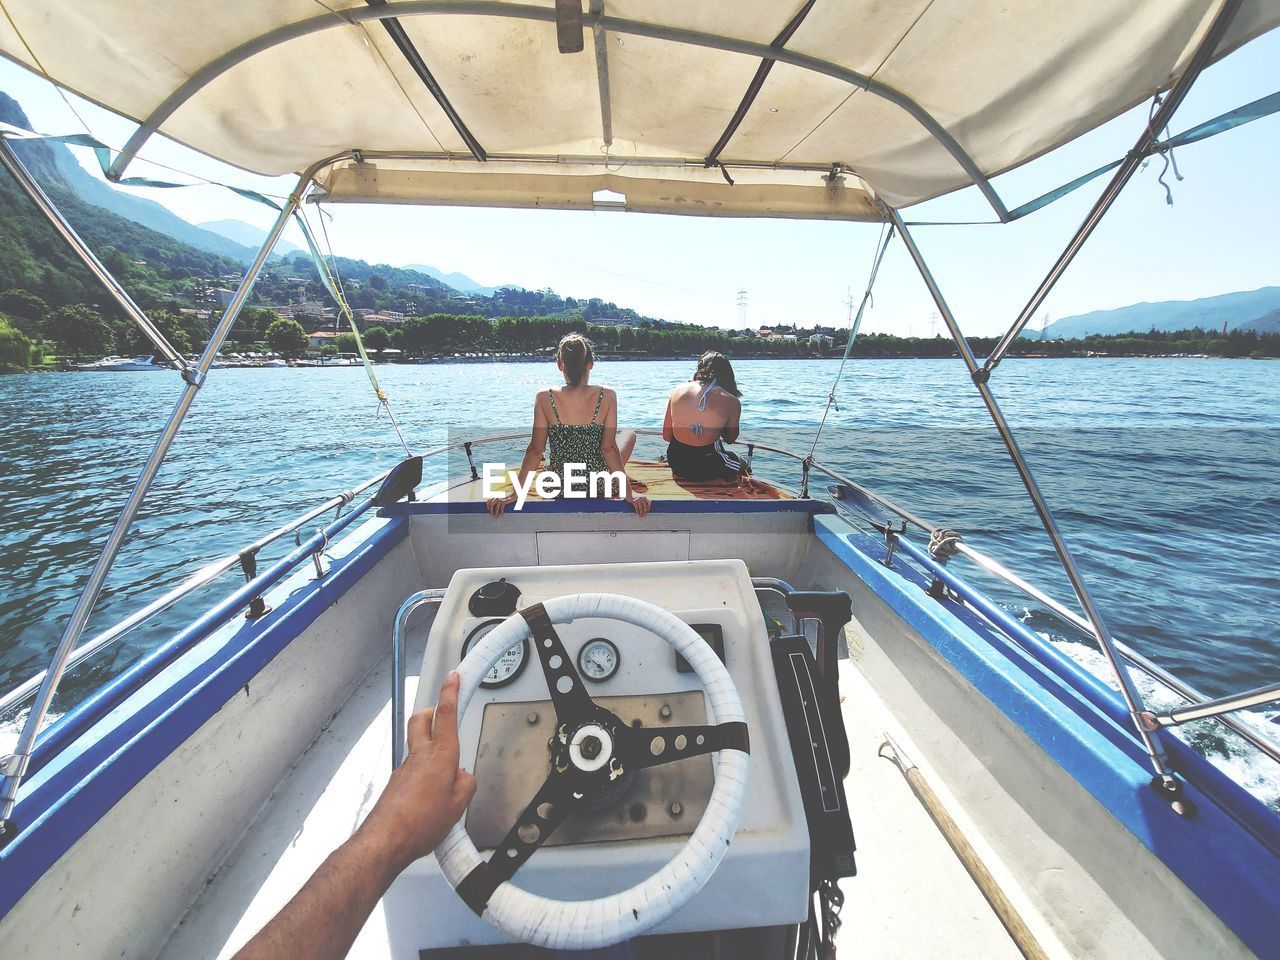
{"x":509,"y":664}
{"x":598,"y":659}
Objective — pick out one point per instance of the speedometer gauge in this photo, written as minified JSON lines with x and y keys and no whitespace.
{"x":509,"y":664}
{"x":598,"y":659}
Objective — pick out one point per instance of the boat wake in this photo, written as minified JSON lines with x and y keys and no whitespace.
{"x":1222,"y":746}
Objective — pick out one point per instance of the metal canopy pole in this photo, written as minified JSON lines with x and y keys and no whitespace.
{"x":522,"y":11}
{"x":757,"y":84}
{"x":1133,"y":699}
{"x":419,"y":66}
{"x":1141,"y":150}
{"x":14,"y":766}
{"x":601,"y":44}
{"x":20,"y":174}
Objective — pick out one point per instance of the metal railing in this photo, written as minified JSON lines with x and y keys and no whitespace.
{"x":202,"y":577}
{"x":1198,"y":705}
{"x":1131,"y":656}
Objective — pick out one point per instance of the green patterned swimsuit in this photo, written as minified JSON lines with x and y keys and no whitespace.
{"x":576,"y":442}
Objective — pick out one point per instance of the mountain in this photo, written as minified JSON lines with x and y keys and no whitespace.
{"x":460,"y":281}
{"x":58,"y":163}
{"x":154,"y":267}
{"x":163,"y":260}
{"x":247,"y":235}
{"x":1267,"y":323}
{"x":1246,"y":310}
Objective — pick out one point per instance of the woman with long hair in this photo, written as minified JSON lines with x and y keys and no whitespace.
{"x":580,"y":423}
{"x":702,"y":416}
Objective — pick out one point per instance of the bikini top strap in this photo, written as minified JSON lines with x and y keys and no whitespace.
{"x":599,"y":399}
{"x":702,"y":399}
{"x":551,"y":395}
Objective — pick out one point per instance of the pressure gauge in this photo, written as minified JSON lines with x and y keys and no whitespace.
{"x":598,"y":659}
{"x":509,"y":664}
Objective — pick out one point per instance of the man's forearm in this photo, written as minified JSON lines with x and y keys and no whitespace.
{"x":326,"y":915}
{"x":425,"y":796}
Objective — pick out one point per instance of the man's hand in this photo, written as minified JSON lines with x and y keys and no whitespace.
{"x":428,"y":793}
{"x":423,"y":799}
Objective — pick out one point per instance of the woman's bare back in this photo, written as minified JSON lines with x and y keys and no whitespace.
{"x":577,"y":405}
{"x":698,"y":416}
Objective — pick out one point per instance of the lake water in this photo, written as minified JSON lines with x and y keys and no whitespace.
{"x":1162,"y":472}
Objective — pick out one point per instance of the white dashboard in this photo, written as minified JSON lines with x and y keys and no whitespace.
{"x":763,"y":879}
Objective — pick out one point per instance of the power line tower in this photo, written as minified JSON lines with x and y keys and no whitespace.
{"x":933,"y":324}
{"x":742,"y":308}
{"x":1044,"y":325}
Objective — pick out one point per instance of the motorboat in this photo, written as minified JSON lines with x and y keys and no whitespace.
{"x":778,"y":722}
{"x":115,"y":364}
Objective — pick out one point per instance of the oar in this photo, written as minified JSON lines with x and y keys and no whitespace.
{"x":1021,"y":934}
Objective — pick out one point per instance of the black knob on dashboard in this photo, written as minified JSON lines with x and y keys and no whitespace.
{"x":497,"y":598}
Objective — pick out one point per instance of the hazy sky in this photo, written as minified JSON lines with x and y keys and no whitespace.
{"x":1219,"y":236}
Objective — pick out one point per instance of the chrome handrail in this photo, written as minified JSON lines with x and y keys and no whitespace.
{"x":202,"y":577}
{"x":1000,"y":571}
{"x":399,"y":645}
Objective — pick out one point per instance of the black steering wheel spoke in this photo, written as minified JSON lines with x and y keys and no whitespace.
{"x":569,"y":695}
{"x":653,"y":746}
{"x":560,"y":795}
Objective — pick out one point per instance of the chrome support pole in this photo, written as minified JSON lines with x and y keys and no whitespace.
{"x":15,"y":766}
{"x":601,"y":44}
{"x":399,"y":645}
{"x":9,"y":158}
{"x":1132,"y":698}
{"x":1141,"y":150}
{"x":1213,"y":708}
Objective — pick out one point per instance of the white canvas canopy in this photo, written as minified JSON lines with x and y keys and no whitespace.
{"x":475,"y":103}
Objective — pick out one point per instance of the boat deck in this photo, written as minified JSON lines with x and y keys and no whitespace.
{"x":911,"y":897}
{"x":654,"y":478}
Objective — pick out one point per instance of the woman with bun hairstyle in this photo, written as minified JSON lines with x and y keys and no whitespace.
{"x":702,"y":416}
{"x":579,"y":422}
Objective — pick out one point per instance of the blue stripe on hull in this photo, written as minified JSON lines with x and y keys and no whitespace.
{"x":76,"y":788}
{"x":1224,"y":853}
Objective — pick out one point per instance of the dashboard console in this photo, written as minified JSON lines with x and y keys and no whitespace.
{"x":639,"y":825}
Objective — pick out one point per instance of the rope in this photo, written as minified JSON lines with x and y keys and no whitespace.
{"x":334,"y":285}
{"x":883,"y":244}
{"x":943,"y":544}
{"x":1163,"y":149}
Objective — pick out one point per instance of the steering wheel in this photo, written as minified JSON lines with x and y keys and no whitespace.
{"x":591,"y":748}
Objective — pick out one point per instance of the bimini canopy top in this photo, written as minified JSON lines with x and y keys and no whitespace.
{"x":731,"y":108}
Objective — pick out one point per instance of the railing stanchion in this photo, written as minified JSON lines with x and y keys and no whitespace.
{"x":257,"y":606}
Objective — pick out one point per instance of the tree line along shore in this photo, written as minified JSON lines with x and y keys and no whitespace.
{"x":36,"y":336}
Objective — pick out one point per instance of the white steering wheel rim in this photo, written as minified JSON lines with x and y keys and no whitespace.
{"x":588,"y":924}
